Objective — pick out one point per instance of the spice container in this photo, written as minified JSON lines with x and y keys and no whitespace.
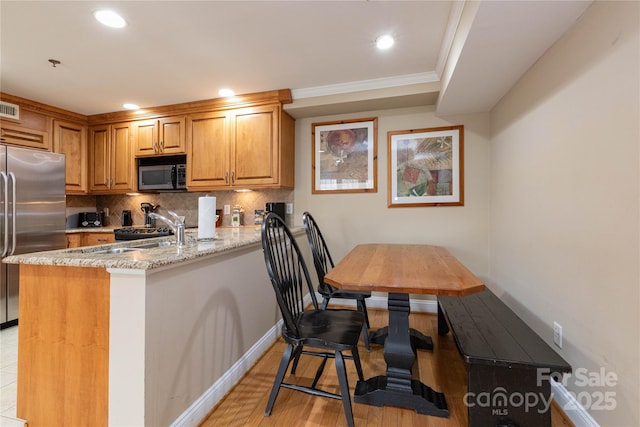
{"x":258,"y":218}
{"x":237,"y":216}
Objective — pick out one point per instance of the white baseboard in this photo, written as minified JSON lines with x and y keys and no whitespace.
{"x":570,"y":406}
{"x":203,"y":405}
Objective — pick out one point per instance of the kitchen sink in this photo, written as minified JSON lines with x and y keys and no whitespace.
{"x":117,"y":251}
{"x":153,"y":245}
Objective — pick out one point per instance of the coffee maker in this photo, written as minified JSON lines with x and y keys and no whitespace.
{"x":148,"y":208}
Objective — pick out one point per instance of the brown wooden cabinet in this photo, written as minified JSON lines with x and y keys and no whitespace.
{"x":243,"y":148}
{"x":91,"y":239}
{"x":77,"y":240}
{"x":111,"y":161}
{"x":70,"y":139}
{"x":30,"y":130}
{"x":165,"y":136}
{"x":74,"y":240}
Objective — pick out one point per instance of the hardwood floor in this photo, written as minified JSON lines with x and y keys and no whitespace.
{"x":441,"y":369}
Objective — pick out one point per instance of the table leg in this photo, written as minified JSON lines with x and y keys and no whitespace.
{"x":418,"y":339}
{"x":443,"y":327}
{"x":398,"y":388}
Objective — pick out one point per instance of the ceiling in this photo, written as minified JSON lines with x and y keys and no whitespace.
{"x":461,"y":57}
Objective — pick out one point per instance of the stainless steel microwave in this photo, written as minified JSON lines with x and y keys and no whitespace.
{"x":167,"y":173}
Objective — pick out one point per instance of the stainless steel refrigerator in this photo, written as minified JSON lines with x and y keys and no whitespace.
{"x":32,"y":214}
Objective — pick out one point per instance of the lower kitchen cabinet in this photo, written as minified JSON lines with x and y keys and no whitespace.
{"x":77,"y":240}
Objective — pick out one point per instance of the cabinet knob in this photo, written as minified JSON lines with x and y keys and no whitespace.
{"x":161,"y":146}
{"x":226,"y":177}
{"x":233,"y":177}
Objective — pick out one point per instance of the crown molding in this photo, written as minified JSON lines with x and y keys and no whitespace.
{"x":364,"y":85}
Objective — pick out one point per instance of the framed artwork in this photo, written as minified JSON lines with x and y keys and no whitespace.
{"x":426,"y":167}
{"x":345,"y":156}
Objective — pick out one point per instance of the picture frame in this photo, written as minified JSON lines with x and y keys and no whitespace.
{"x":426,"y":167}
{"x":344,"y":156}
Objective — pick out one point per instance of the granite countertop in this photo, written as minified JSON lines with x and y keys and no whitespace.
{"x":106,"y":229}
{"x":227,"y":239}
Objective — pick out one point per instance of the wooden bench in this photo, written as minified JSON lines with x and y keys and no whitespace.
{"x":508,"y":364}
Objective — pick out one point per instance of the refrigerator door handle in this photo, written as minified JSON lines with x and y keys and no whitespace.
{"x":13,"y":211}
{"x":5,"y":213}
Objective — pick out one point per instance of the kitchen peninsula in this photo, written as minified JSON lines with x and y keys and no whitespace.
{"x":117,"y":335}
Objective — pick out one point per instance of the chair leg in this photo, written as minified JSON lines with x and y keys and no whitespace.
{"x":319,"y":372}
{"x":344,"y":387}
{"x":365,"y":336}
{"x":356,"y":359}
{"x":297,"y":351}
{"x":362,"y":306}
{"x":282,"y":370}
{"x":325,"y":302}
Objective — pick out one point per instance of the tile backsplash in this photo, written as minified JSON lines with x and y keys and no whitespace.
{"x":185,"y":204}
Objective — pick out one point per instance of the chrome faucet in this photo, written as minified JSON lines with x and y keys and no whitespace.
{"x":177,"y":225}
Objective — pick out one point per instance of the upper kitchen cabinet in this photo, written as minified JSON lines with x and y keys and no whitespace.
{"x":28,"y":129}
{"x":242,"y":148}
{"x":165,"y":136}
{"x":70,"y":139}
{"x":111,"y":161}
{"x":208,"y":150}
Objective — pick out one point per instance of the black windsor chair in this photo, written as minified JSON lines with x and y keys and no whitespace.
{"x":328,"y":332}
{"x":323,"y":263}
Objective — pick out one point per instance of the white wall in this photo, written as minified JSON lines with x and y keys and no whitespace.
{"x":352,"y":218}
{"x":564,"y":211}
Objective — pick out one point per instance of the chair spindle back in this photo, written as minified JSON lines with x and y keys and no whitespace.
{"x":287,"y":270}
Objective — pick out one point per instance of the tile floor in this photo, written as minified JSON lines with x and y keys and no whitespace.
{"x":8,"y":377}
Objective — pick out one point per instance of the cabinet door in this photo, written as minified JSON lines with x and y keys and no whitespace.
{"x":70,"y":139}
{"x":171,"y":138}
{"x":145,"y":136}
{"x":92,"y":239}
{"x":159,"y":137}
{"x":99,"y":155}
{"x":122,"y":161}
{"x":31,"y":130}
{"x":74,"y":240}
{"x":208,"y":151}
{"x":255,"y":148}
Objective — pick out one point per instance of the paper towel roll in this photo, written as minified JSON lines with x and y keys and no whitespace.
{"x":206,"y":217}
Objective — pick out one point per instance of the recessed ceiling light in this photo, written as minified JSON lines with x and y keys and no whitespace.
{"x":110,"y":18}
{"x":130,"y":106}
{"x":384,"y":42}
{"x":226,"y":93}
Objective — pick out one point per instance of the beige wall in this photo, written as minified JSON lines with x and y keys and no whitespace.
{"x":564,"y":191}
{"x":349,"y":219}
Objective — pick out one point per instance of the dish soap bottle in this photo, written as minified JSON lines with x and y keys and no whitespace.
{"x":237,"y":216}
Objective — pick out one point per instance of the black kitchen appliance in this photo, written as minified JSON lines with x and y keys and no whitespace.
{"x":126,"y":218}
{"x":90,"y":219}
{"x":148,"y":208}
{"x":277,"y":208}
{"x":135,"y":233}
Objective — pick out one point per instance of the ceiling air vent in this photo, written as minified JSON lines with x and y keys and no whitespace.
{"x":11,"y":111}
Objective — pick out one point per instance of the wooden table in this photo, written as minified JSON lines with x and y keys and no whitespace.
{"x":401,"y":270}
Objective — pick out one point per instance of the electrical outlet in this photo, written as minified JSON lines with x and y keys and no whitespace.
{"x":290,"y":208}
{"x":557,"y":334}
{"x":227,"y":209}
{"x":106,"y":211}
